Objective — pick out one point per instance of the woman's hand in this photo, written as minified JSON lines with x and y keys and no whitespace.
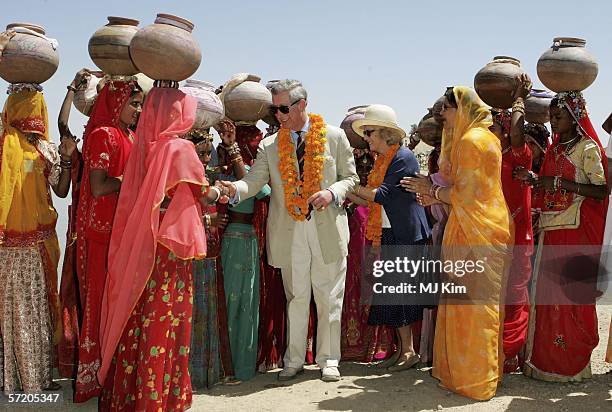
{"x":545,"y":182}
{"x":67,"y":147}
{"x":426,"y":200}
{"x":219,"y":220}
{"x":524,"y":175}
{"x":523,"y":86}
{"x":418,"y":184}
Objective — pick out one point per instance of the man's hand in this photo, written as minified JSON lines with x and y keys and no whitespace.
{"x":321,"y":199}
{"x":229,"y":188}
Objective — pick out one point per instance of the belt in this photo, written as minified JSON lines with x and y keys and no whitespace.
{"x":237,"y":217}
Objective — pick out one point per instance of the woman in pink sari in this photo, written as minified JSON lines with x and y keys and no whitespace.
{"x":146,"y":312}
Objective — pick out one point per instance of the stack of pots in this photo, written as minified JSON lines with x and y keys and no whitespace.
{"x":353,"y":114}
{"x":537,"y":106}
{"x":429,"y":130}
{"x":269,"y":118}
{"x":496,"y":82}
{"x":29,"y":57}
{"x":109,"y":46}
{"x":567,"y":65}
{"x":210,"y":109}
{"x":248,"y":102}
{"x":166,"y":49}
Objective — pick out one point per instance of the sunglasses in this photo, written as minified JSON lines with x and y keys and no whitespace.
{"x":368,"y":133}
{"x":282,"y":108}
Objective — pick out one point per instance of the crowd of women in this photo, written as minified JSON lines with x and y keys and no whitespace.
{"x":164,"y":286}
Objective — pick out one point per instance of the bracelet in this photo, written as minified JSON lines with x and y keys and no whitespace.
{"x":237,"y":158}
{"x":71,"y":88}
{"x":518,"y":105}
{"x":437,"y":192}
{"x":432,"y":190}
{"x":207,"y":220}
{"x":556,"y":183}
{"x":216,"y":189}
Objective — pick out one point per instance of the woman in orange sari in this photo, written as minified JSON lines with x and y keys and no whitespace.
{"x":30,"y":165}
{"x":468,"y":357}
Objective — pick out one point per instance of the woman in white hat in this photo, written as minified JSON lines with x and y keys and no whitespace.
{"x":394,"y":218}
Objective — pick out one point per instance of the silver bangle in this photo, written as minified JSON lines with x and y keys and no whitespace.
{"x":216,"y":189}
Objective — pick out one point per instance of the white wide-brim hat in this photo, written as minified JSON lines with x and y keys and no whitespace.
{"x":378,"y":115}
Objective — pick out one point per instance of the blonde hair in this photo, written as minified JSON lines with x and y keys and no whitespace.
{"x":390,"y":136}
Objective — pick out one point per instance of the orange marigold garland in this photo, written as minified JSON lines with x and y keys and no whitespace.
{"x":375,"y":180}
{"x":298,"y":191}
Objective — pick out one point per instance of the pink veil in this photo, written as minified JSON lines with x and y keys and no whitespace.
{"x":159,"y":162}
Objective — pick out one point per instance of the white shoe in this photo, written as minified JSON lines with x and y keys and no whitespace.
{"x":330,"y":374}
{"x":289,"y":373}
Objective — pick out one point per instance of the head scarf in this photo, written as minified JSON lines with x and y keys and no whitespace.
{"x":502,"y":118}
{"x":159,"y":162}
{"x":248,"y":138}
{"x":106,"y":111}
{"x":472,"y":113}
{"x":576,"y":105}
{"x":24,"y":113}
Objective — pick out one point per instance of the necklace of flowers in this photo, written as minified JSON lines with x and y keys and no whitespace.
{"x":375,"y":179}
{"x":296,"y":190}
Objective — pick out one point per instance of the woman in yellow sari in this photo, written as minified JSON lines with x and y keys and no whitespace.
{"x":467,"y":351}
{"x":29,"y":251}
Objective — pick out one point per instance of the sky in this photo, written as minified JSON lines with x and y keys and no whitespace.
{"x":346,"y":53}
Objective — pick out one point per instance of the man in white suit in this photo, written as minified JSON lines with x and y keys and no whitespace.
{"x":309,"y":248}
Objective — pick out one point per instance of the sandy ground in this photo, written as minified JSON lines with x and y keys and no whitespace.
{"x":365,"y":388}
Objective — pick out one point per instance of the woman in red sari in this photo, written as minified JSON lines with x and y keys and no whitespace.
{"x":107,"y":142}
{"x":572,"y":194}
{"x":147,"y":307}
{"x":516,"y":153}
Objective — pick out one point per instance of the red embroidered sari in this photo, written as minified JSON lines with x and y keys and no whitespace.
{"x":518,"y":198}
{"x":564,"y":335}
{"x":147,"y":307}
{"x":105,"y":147}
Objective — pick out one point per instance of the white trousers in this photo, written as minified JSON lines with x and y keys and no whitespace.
{"x":309,"y":272}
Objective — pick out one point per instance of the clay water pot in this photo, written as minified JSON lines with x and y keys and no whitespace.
{"x":567,"y":65}
{"x":248,"y":102}
{"x":109,"y":47}
{"x":210,"y":109}
{"x":537,"y":106}
{"x":85,"y":97}
{"x":496,"y":82}
{"x":166,"y":50}
{"x":269,"y":118}
{"x":429,"y":130}
{"x":354,"y":113}
{"x":28,"y":58}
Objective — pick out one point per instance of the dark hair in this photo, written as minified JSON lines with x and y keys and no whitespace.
{"x":450,"y":96}
{"x":136,"y":89}
{"x":538,"y":132}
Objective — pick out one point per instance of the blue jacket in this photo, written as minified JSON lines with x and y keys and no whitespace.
{"x":408,"y":219}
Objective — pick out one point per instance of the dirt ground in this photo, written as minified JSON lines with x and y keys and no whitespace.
{"x":365,"y":388}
